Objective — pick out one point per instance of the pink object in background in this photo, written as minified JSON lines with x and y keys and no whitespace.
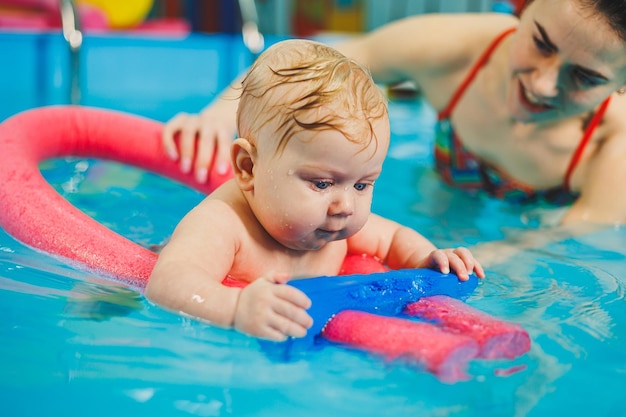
{"x":46,"y":15}
{"x":42,"y":15}
{"x":29,"y":14}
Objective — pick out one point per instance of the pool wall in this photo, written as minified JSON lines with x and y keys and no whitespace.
{"x":152,"y":76}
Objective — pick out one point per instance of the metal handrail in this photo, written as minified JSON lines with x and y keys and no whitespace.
{"x":252,"y":37}
{"x":70,"y":25}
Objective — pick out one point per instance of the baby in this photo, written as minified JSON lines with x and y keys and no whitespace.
{"x":314,"y":132}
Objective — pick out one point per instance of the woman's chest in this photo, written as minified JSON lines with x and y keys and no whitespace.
{"x":534,"y":154}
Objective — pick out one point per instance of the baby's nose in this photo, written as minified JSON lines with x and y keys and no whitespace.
{"x":342,"y":204}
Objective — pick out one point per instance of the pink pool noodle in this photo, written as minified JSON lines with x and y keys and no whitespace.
{"x":444,"y":354}
{"x":34,"y":213}
{"x":496,"y":338}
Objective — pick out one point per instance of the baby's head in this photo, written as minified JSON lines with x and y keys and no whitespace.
{"x":314,"y":133}
{"x":303,"y":85}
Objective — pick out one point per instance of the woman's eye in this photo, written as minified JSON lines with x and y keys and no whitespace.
{"x":585,"y":79}
{"x":543,"y":47}
{"x":322,"y":185}
{"x":360,"y":186}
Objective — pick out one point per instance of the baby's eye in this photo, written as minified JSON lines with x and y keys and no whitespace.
{"x":360,"y":186}
{"x":322,"y":185}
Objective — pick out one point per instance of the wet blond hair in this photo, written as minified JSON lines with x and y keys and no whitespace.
{"x":304,"y":85}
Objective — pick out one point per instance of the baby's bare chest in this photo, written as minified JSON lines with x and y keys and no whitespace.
{"x":254,"y":262}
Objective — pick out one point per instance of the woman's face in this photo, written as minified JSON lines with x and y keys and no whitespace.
{"x":565,"y":60}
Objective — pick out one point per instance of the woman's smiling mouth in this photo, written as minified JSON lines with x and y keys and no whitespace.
{"x":530,"y":102}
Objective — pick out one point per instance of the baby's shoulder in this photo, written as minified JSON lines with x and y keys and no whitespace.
{"x":225,"y":208}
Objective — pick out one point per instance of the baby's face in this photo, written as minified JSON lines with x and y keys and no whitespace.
{"x":320,"y":188}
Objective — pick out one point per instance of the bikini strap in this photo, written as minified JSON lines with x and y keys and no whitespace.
{"x":445,"y":113}
{"x":595,"y":121}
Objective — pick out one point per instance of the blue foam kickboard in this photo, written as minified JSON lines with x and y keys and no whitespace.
{"x":383,"y":293}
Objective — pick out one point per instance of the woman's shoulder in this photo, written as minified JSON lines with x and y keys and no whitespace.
{"x":617,"y":108}
{"x":612,"y":130}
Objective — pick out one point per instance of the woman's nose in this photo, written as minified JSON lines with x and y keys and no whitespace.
{"x":545,"y":79}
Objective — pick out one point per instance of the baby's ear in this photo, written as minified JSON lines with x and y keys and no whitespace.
{"x":243,"y":155}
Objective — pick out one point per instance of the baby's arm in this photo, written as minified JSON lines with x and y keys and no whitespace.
{"x":189,"y":272}
{"x":187,"y":276}
{"x":402,"y":247}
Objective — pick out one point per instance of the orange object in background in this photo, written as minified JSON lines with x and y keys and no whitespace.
{"x":345,"y":15}
{"x":518,"y":6}
{"x":311,"y":17}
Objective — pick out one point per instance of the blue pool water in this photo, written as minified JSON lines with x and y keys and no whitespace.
{"x":75,"y":344}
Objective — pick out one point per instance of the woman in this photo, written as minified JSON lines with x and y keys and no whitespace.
{"x":530,"y":108}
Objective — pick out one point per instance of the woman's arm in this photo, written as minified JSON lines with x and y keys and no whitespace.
{"x":603,"y":178}
{"x":422,"y":47}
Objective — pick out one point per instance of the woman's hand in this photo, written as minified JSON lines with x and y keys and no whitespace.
{"x":201,"y":141}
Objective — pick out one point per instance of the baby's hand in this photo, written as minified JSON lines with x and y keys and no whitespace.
{"x":459,"y":260}
{"x":269,"y":309}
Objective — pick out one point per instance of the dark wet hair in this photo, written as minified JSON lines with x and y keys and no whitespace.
{"x":614,"y":11}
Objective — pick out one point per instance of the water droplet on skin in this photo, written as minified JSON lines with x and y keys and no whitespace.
{"x":197,"y":298}
{"x":290,"y":172}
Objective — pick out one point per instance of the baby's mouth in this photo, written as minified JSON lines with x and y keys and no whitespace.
{"x":328,"y":234}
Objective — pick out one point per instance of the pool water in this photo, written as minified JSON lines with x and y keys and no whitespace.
{"x":75,"y":344}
